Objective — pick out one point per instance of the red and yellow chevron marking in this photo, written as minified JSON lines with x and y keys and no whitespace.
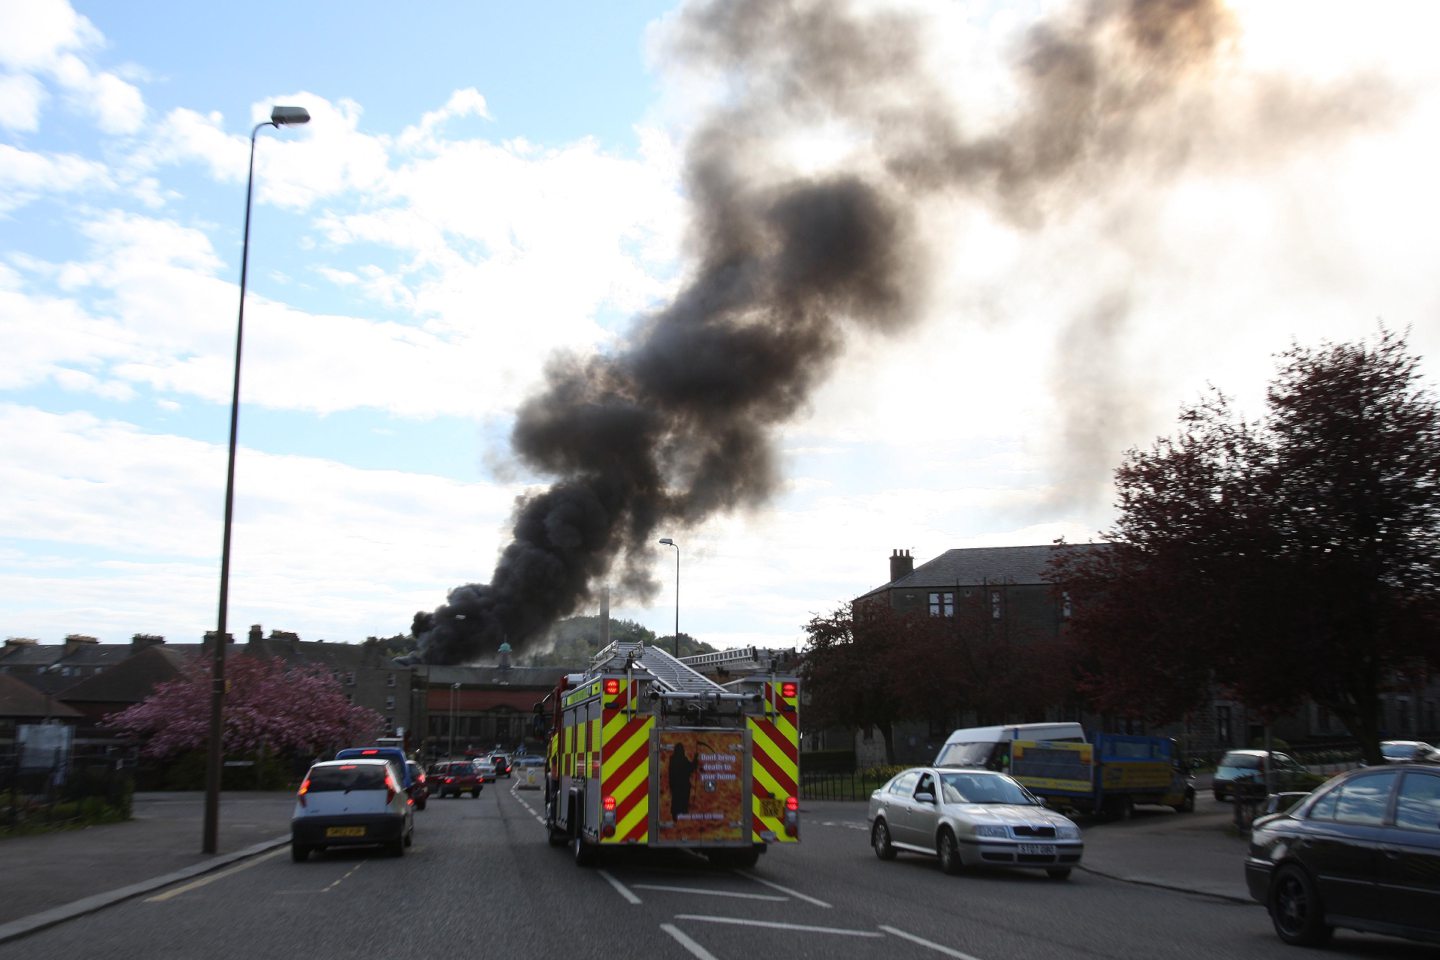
{"x":625,"y":767}
{"x":775,"y":768}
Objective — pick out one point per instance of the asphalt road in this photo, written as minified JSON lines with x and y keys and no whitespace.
{"x":481,"y":881}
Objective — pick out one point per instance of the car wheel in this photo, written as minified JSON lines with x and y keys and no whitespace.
{"x":299,"y":852}
{"x":949,"y":851}
{"x":1119,"y":808}
{"x":585,"y":853}
{"x":1220,"y":795}
{"x":396,"y":848}
{"x":410,"y":838}
{"x":1295,"y":909}
{"x":1058,"y":873}
{"x":880,"y":840}
{"x":475,"y":794}
{"x":1188,"y":804}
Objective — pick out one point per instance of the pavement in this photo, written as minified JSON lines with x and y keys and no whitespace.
{"x":55,"y":877}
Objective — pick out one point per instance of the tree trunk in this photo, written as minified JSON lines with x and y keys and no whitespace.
{"x":887,"y":731}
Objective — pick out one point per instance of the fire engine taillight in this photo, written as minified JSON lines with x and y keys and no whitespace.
{"x":787,"y":689}
{"x":608,"y":803}
{"x":792,"y":803}
{"x":612,"y":686}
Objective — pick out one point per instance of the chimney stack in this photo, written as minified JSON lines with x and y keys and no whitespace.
{"x":901,"y":564}
{"x":142,"y":641}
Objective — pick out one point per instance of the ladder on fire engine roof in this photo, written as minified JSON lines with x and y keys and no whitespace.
{"x":670,"y":672}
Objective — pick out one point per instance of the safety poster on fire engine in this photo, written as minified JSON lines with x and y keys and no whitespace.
{"x":701,"y":786}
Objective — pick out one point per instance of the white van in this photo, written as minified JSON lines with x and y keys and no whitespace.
{"x":990,"y":746}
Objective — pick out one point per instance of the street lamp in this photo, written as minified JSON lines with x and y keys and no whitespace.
{"x":672,"y":543}
{"x":453,"y":688}
{"x":279,"y":116}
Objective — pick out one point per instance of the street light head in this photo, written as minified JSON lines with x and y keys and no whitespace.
{"x":668,"y":542}
{"x":281,"y":116}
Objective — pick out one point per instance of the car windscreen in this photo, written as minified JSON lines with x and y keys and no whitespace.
{"x":356,"y":776}
{"x":973,"y":788}
{"x":1245,"y":761}
{"x":965,"y":754}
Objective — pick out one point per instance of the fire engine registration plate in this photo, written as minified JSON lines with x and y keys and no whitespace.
{"x":771,"y":806}
{"x":1038,"y":849}
{"x":344,"y":831}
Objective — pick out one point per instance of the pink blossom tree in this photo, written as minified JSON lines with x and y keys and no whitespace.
{"x":270,"y":707}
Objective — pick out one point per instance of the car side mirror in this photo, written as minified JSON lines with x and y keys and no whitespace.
{"x":924,"y":796}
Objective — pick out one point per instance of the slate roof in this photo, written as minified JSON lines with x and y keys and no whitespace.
{"x":539,"y":678}
{"x":976,"y":566}
{"x":20,"y":701}
{"x":131,"y":680}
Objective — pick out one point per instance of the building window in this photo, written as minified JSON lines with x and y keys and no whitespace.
{"x":1223,"y":734}
{"x":995,"y":605}
{"x":389,"y":703}
{"x":942,"y":605}
{"x":390,"y":680}
{"x":349,"y":679}
{"x":1065,"y":608}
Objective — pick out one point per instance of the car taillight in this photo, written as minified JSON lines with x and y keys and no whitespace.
{"x":304,"y":789}
{"x":390,"y":789}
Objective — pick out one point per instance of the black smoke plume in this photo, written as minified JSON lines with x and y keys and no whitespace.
{"x":788,"y":268}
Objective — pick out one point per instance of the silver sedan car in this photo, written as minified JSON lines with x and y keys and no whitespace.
{"x":971,"y":818}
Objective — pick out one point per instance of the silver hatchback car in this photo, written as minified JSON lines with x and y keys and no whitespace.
{"x":971,"y":818}
{"x":347,"y":803}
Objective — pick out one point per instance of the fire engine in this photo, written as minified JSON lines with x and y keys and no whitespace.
{"x":645,"y":751}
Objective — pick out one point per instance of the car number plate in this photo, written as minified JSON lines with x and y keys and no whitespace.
{"x":1038,"y":849}
{"x":344,"y":831}
{"x":771,"y":806}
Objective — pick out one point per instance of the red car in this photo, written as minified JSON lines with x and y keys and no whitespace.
{"x":454,"y":777}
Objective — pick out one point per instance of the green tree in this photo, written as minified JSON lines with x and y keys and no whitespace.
{"x":1291,"y":559}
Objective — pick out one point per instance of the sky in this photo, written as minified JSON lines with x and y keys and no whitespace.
{"x":486,"y":187}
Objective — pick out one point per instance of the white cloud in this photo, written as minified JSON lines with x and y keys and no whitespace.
{"x":26,"y":175}
{"x":34,"y":33}
{"x":20,"y":99}
{"x":357,"y":555}
{"x":462,"y":103}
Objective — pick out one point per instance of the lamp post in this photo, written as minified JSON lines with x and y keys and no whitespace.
{"x":453,"y":688}
{"x":279,"y":116}
{"x":672,"y":543}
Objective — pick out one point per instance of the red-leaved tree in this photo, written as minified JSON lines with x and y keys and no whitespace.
{"x":270,"y":707}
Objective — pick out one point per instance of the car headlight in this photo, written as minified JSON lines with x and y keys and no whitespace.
{"x":990,"y":830}
{"x":1067,"y":832}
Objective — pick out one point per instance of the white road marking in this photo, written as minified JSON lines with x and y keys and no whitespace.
{"x":347,"y":876}
{"x":926,"y":943}
{"x":710,"y":893}
{"x":786,"y":890}
{"x":619,"y":887}
{"x":695,"y":949}
{"x":212,"y":877}
{"x":793,"y":927}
